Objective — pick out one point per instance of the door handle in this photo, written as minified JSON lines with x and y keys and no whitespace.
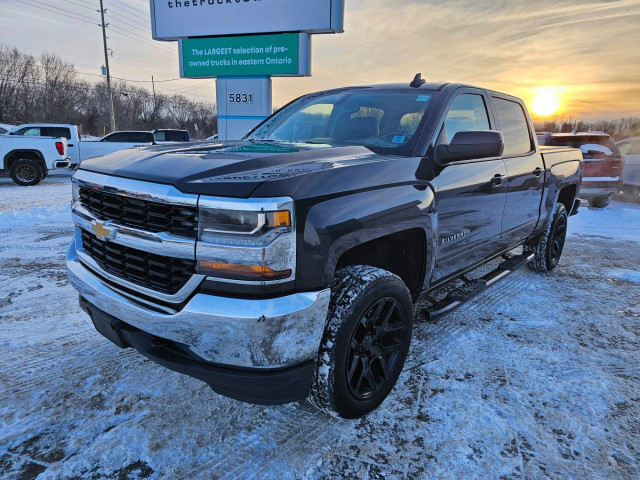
{"x":497,"y":179}
{"x":70,"y":145}
{"x":537,"y":172}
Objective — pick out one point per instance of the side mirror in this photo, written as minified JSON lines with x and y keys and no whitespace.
{"x":470,"y":145}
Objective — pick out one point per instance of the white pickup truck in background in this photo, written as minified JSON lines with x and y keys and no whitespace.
{"x":80,"y":150}
{"x":29,"y":159}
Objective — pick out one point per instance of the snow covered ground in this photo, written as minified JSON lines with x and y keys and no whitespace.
{"x":537,"y":378}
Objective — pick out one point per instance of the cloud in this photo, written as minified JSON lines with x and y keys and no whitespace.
{"x":588,"y":48}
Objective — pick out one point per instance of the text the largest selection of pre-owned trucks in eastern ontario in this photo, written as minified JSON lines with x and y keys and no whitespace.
{"x":287,"y":265}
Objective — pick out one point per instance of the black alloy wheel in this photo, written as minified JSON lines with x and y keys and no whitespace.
{"x":374,"y":348}
{"x":365,"y":342}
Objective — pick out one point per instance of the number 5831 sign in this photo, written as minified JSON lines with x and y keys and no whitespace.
{"x":241,"y":98}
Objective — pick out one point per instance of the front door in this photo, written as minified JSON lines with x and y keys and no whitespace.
{"x":470,"y":195}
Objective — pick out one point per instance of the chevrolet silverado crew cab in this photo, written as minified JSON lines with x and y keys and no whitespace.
{"x":287,"y":265}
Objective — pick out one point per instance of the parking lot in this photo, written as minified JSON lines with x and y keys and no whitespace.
{"x":537,"y":378}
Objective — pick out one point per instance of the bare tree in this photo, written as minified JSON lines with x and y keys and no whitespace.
{"x":48,"y":89}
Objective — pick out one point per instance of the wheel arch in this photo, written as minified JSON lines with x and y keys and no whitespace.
{"x":391,"y":228}
{"x":402,"y":253}
{"x":17,"y":154}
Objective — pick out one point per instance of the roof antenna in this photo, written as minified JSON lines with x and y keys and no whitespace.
{"x":418,"y":81}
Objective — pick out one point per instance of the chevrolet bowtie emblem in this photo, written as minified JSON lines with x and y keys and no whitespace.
{"x":102,"y":231}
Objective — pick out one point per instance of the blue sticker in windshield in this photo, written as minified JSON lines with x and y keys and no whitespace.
{"x":422,"y":98}
{"x":398,"y":139}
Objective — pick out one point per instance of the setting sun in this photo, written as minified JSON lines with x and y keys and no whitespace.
{"x":547,"y":101}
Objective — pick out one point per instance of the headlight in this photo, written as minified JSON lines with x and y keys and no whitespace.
{"x":238,"y":227}
{"x":246,"y":241}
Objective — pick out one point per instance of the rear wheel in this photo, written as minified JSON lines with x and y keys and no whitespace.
{"x":26,"y":172}
{"x":600,"y":202}
{"x":365,"y":343}
{"x":549,"y":246}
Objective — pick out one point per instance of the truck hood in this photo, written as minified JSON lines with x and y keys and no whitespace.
{"x":232,"y":169}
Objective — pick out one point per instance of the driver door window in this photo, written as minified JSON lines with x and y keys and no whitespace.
{"x":467,"y":112}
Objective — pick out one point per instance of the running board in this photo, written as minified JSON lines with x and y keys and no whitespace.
{"x":473,"y":288}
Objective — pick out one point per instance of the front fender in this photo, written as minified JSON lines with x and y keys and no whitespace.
{"x":336,"y":225}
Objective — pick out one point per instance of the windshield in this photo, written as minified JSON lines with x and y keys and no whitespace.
{"x":371,"y":118}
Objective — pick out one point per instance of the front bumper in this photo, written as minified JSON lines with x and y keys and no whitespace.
{"x":254,"y":334}
{"x":262,"y":387}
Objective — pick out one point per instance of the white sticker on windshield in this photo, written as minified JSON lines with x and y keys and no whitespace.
{"x":398,"y":139}
{"x":422,"y":98}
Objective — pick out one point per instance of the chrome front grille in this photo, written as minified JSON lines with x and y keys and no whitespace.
{"x":180,"y":220}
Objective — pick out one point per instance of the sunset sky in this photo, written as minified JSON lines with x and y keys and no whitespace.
{"x":580,"y":58}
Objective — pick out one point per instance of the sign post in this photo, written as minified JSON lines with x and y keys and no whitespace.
{"x":217,"y":39}
{"x":243,"y":102}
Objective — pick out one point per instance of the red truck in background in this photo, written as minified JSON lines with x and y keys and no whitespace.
{"x":603,"y":163}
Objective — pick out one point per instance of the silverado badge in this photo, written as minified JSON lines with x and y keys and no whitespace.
{"x":102,"y":231}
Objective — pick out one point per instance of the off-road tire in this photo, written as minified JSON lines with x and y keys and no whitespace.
{"x":355,"y":290}
{"x":600,"y":202}
{"x":542,"y":248}
{"x":26,"y":172}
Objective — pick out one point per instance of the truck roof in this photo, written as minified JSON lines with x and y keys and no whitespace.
{"x":436,"y":85}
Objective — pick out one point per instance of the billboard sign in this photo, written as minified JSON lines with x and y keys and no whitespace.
{"x":175,"y":19}
{"x":285,"y":54}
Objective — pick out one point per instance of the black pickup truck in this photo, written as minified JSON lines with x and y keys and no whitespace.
{"x":288,"y":264}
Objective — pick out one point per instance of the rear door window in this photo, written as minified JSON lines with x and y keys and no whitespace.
{"x":514,"y":127}
{"x":56,"y":132}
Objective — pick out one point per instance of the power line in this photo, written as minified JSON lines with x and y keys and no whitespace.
{"x":143,"y":17}
{"x":85,"y":88}
{"x":24,"y":2}
{"x":36,"y":65}
{"x":81,"y":5}
{"x":131,"y":7}
{"x":127,"y":20}
{"x":63,"y":10}
{"x":140,"y":38}
{"x":128,"y":17}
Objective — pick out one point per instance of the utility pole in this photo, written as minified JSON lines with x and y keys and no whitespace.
{"x":112,"y":116}
{"x":155,"y":111}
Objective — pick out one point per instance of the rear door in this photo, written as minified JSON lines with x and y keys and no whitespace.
{"x":525,"y":170}
{"x":470,"y":195}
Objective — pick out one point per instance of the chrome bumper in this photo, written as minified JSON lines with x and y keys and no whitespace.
{"x":269,"y":333}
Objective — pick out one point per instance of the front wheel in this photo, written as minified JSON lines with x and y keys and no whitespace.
{"x":365,"y":342}
{"x":549,"y":246}
{"x":26,"y":172}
